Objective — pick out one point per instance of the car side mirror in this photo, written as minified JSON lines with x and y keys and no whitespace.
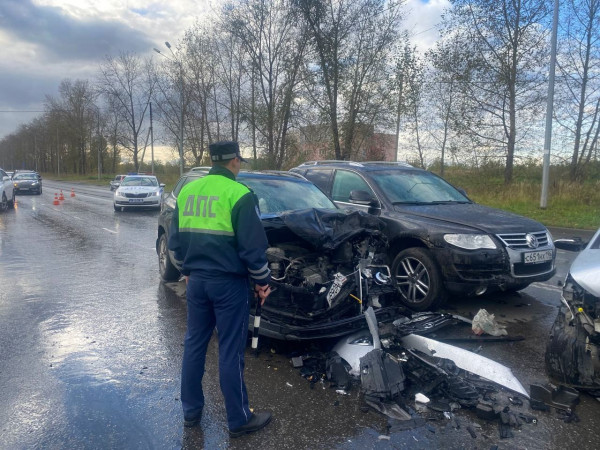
{"x":359,"y":197}
{"x":571,"y":244}
{"x":162,"y":185}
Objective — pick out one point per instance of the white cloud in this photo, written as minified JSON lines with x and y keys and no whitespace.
{"x":422,"y":19}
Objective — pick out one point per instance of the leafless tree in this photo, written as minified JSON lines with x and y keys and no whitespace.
{"x":510,"y":46}
{"x":126,"y":81}
{"x":351,"y":41}
{"x":275,"y":45}
{"x":578,"y":108}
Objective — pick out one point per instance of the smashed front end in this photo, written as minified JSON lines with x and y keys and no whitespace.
{"x":573,"y":351}
{"x":326,"y":268}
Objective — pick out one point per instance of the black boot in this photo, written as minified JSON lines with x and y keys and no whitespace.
{"x":256,"y":422}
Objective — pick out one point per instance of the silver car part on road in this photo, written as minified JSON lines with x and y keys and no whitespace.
{"x":466,"y":360}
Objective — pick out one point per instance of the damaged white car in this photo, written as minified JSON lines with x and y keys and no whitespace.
{"x":573,"y":351}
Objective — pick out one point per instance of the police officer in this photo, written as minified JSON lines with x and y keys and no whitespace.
{"x":217,"y":235}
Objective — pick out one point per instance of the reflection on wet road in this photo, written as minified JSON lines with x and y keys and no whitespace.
{"x":91,"y":345}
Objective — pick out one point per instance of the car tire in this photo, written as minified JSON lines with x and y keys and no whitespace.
{"x":4,"y":202}
{"x":40,"y":191}
{"x":11,"y":202}
{"x":168,"y":272}
{"x":418,"y":279}
{"x":117,"y":208}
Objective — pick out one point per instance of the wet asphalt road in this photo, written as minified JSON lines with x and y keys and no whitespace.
{"x":91,"y":346}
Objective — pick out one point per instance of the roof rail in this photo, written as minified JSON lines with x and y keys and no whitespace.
{"x":330,"y":161}
{"x":389,"y":163}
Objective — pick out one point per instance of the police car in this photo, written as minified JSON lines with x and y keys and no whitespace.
{"x":138,"y":191}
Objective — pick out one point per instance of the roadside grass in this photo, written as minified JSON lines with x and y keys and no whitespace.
{"x":569,"y":205}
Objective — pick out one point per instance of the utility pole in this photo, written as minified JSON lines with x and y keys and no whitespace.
{"x":151,"y":138}
{"x":549,"y":111}
{"x":99,"y":144}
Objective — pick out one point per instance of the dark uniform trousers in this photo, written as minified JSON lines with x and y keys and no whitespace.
{"x":222,"y":302}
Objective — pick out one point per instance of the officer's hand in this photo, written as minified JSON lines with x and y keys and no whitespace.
{"x":262,"y":292}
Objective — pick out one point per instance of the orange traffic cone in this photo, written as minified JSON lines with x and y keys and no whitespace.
{"x":61,"y":196}
{"x":56,"y":202}
{"x":72,"y":193}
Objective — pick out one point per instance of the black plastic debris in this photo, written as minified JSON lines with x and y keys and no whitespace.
{"x":560,"y":397}
{"x":338,"y":372}
{"x":515,"y":400}
{"x":472,"y":432}
{"x":485,"y":411}
{"x":381,"y":376}
{"x":297,"y":361}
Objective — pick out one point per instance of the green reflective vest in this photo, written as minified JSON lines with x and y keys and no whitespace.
{"x":205,"y":205}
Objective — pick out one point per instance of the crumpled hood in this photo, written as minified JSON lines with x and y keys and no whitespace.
{"x":585,"y":270}
{"x":475,"y":216}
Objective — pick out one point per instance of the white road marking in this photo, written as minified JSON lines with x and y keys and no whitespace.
{"x":110,"y":231}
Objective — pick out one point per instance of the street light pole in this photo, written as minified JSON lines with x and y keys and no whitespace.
{"x":181,"y":87}
{"x":549,"y":109}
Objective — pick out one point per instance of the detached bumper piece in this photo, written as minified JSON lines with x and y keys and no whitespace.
{"x":559,"y":397}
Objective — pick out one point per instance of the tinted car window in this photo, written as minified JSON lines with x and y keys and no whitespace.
{"x":276,"y":196}
{"x":181,"y":183}
{"x":320,"y":178}
{"x":416,"y":187}
{"x":345,"y":182}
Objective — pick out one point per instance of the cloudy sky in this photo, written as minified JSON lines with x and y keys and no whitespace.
{"x":46,"y":41}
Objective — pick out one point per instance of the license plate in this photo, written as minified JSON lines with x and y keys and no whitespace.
{"x":136,"y":200}
{"x":24,"y":189}
{"x":537,"y":257}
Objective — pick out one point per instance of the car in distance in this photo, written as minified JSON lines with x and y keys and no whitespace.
{"x":326,"y":264}
{"x":27,"y":182}
{"x":573,"y":349}
{"x":114,"y":184}
{"x":7,"y":192}
{"x":138,"y":192}
{"x":441,"y":242}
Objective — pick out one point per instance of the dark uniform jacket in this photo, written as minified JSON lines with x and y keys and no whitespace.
{"x":216,"y":229}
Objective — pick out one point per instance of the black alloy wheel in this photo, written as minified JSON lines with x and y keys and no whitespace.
{"x":418,"y":279}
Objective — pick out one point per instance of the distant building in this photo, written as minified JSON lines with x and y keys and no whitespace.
{"x":315,"y":144}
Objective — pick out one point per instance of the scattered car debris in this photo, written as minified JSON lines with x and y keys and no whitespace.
{"x":484,"y":322}
{"x":469,"y":361}
{"x":559,"y":397}
{"x":420,"y":398}
{"x":573,"y":350}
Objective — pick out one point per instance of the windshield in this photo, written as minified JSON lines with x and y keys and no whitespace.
{"x":139,"y":181}
{"x":410,"y":187}
{"x":277,"y":195}
{"x":26,"y":176}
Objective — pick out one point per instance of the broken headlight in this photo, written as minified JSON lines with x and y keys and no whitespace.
{"x":470,"y":241}
{"x":579,"y":299}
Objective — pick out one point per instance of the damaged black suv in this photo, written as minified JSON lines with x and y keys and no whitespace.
{"x":440,"y":241}
{"x":327,"y":265}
